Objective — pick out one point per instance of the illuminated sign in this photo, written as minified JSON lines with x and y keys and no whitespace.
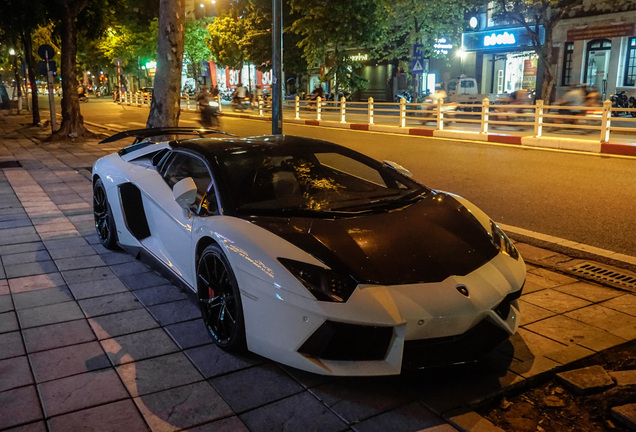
{"x":359,"y":57}
{"x":504,"y":38}
{"x":442,"y":47}
{"x":501,"y":39}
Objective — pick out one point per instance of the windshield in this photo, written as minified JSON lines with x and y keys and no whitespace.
{"x":301,"y":180}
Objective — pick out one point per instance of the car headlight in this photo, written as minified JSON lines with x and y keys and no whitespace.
{"x":324,"y":284}
{"x":213,"y":104}
{"x":502,"y":242}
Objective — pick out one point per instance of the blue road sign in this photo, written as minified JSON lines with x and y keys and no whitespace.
{"x":417,"y":65}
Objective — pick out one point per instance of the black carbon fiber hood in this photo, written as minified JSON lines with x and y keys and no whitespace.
{"x":426,"y":241}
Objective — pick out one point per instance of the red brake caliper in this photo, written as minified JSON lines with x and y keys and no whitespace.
{"x":210,"y":293}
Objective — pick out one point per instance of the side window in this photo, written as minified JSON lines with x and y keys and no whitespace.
{"x":182,"y":165}
{"x":452,"y":85}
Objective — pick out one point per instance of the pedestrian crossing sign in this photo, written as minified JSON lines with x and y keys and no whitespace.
{"x":417,"y":65}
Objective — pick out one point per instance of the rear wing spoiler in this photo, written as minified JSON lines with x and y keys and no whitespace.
{"x":142,"y":134}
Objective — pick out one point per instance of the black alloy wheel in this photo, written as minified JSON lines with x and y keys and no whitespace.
{"x":220,"y":300}
{"x":104,"y":222}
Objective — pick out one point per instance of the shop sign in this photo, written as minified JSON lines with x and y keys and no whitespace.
{"x":529,"y":73}
{"x":442,"y":46}
{"x":499,"y":39}
{"x":360,"y":57}
{"x":603,"y":32}
{"x":232,"y":78}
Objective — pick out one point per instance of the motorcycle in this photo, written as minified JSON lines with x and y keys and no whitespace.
{"x":210,"y":115}
{"x":240,"y":103}
{"x":632,"y":104}
{"x":619,"y":100}
{"x":408,"y":97}
{"x":83,"y":97}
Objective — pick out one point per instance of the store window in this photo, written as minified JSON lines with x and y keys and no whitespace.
{"x":566,"y":79}
{"x":597,"y":61}
{"x":630,"y":64}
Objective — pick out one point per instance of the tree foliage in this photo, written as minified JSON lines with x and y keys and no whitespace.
{"x":225,"y":40}
{"x":330,"y":29}
{"x":534,"y":14}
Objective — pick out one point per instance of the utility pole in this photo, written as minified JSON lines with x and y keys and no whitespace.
{"x":277,"y":67}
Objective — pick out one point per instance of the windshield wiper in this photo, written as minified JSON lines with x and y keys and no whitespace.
{"x":384,"y":203}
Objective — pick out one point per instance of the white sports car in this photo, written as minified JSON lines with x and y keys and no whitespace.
{"x":311,"y":254}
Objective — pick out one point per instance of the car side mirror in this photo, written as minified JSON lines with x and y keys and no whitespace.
{"x":184,"y":192}
{"x":399,"y":168}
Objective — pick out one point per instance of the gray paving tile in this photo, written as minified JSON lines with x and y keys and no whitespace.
{"x":74,"y":277}
{"x":4,"y":287}
{"x":138,"y":346}
{"x":566,"y":330}
{"x":250,"y":388}
{"x":121,"y":323}
{"x":6,"y":303}
{"x":229,"y":424}
{"x":358,"y":399}
{"x":30,"y":269}
{"x":67,"y":361}
{"x":49,"y":314}
{"x":174,"y":312}
{"x":531,"y":313}
{"x":39,"y":426}
{"x":19,"y":406}
{"x":411,"y":417}
{"x":158,"y":373}
{"x":81,"y":391}
{"x":114,"y":417}
{"x":72,"y":252}
{"x":18,"y":238}
{"x":129,"y":268}
{"x":25,"y":257}
{"x":590,"y":292}
{"x":21,"y":248}
{"x":97,"y":288}
{"x":8,"y":322}
{"x":159,"y":294}
{"x":625,"y":303}
{"x":108,"y":304}
{"x":15,"y":223}
{"x":15,"y":372}
{"x":555,"y":301}
{"x":143,"y":280}
{"x":212,"y":361}
{"x":116,"y":258}
{"x":69,"y":243}
{"x":189,"y":334}
{"x":57,"y":335}
{"x":301,"y":412}
{"x":11,"y":345}
{"x":183,"y":407}
{"x":43,"y":297}
{"x":31,"y":283}
{"x":84,"y":262}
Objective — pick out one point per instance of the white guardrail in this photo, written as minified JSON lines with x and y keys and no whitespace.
{"x":532,"y":119}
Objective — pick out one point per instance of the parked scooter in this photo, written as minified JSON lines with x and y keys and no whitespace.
{"x":619,"y":100}
{"x":632,"y":104}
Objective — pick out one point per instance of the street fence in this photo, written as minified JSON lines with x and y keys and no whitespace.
{"x":532,"y":120}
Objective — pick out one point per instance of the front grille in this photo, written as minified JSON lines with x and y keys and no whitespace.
{"x":465,"y":348}
{"x":340,"y":341}
{"x":607,"y":275}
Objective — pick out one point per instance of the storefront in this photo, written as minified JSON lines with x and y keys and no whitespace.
{"x":504,"y":58}
{"x":599,"y":51}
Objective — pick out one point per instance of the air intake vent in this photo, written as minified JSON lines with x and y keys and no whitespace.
{"x":607,"y":275}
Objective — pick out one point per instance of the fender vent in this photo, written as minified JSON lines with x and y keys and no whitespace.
{"x":607,"y":275}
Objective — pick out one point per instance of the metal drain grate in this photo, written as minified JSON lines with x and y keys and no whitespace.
{"x":10,"y":164}
{"x":605,"y":274}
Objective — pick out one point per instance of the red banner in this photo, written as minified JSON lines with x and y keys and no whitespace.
{"x":264,"y":79}
{"x":232,"y":78}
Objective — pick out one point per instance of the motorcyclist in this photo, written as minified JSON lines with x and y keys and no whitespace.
{"x":208,"y":112}
{"x":575,"y":97}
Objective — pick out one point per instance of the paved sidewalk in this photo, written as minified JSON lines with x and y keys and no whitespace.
{"x":94,"y":340}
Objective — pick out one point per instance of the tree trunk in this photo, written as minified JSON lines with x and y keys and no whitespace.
{"x":72,"y":121}
{"x":165,"y":106}
{"x":548,"y":65}
{"x":31,"y":67}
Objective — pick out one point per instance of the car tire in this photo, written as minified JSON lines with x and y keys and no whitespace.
{"x":220,"y":300}
{"x":104,"y":221}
